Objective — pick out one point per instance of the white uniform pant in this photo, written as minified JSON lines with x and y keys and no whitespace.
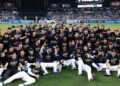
{"x":21,"y":75}
{"x":1,"y":71}
{"x":113,"y":68}
{"x":70,"y":62}
{"x":86,"y":68}
{"x":45,"y":65}
{"x":100,"y":67}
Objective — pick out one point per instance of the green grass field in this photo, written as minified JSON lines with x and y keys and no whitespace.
{"x":107,"y":26}
{"x":69,"y":77}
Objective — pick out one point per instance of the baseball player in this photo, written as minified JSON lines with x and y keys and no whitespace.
{"x":11,"y":66}
{"x":113,"y":63}
{"x":85,"y":64}
{"x":2,"y":62}
{"x":99,"y":61}
{"x":32,"y":72}
{"x":66,"y":60}
{"x":49,"y":61}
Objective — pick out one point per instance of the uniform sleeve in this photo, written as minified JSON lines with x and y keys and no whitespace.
{"x":30,"y":72}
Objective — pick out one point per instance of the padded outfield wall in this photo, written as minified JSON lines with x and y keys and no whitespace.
{"x":65,"y":21}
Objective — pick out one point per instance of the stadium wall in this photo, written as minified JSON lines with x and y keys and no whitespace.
{"x":66,"y":21}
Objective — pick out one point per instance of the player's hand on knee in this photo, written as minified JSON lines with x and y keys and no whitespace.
{"x":37,"y":76}
{"x":62,"y":61}
{"x":119,"y":66}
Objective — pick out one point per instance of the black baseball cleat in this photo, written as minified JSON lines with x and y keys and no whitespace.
{"x":93,"y":76}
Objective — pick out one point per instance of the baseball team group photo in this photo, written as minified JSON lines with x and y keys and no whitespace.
{"x":59,"y":42}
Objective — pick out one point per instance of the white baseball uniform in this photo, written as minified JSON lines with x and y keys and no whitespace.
{"x":21,"y":75}
{"x":45,"y":65}
{"x":70,"y":62}
{"x":84,"y":67}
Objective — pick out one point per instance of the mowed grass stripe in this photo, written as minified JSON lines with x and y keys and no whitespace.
{"x":70,"y":78}
{"x":107,"y":26}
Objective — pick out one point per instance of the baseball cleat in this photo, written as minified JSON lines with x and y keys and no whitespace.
{"x":21,"y":85}
{"x":80,"y":74}
{"x":1,"y":84}
{"x":45,"y":73}
{"x":56,"y":72}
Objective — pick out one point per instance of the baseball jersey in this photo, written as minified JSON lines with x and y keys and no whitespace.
{"x":65,"y":55}
{"x":48,"y":57}
{"x":78,"y":55}
{"x":100,"y":59}
{"x":114,"y":60}
{"x":35,"y":70}
{"x":31,"y":58}
{"x":13,"y":64}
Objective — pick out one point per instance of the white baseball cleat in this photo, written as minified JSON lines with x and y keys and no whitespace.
{"x":74,"y":68}
{"x":21,"y":85}
{"x":80,"y":74}
{"x":1,"y":84}
{"x":45,"y":73}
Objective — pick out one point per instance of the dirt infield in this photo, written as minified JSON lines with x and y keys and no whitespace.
{"x":2,"y":31}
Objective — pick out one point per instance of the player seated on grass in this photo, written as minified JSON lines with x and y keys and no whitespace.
{"x":28,"y":75}
{"x":67,"y":60}
{"x":100,"y":61}
{"x":11,"y":66}
{"x":84,"y":60}
{"x":49,"y":61}
{"x":113,"y":63}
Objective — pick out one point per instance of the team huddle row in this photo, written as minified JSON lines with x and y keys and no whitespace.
{"x":27,"y":53}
